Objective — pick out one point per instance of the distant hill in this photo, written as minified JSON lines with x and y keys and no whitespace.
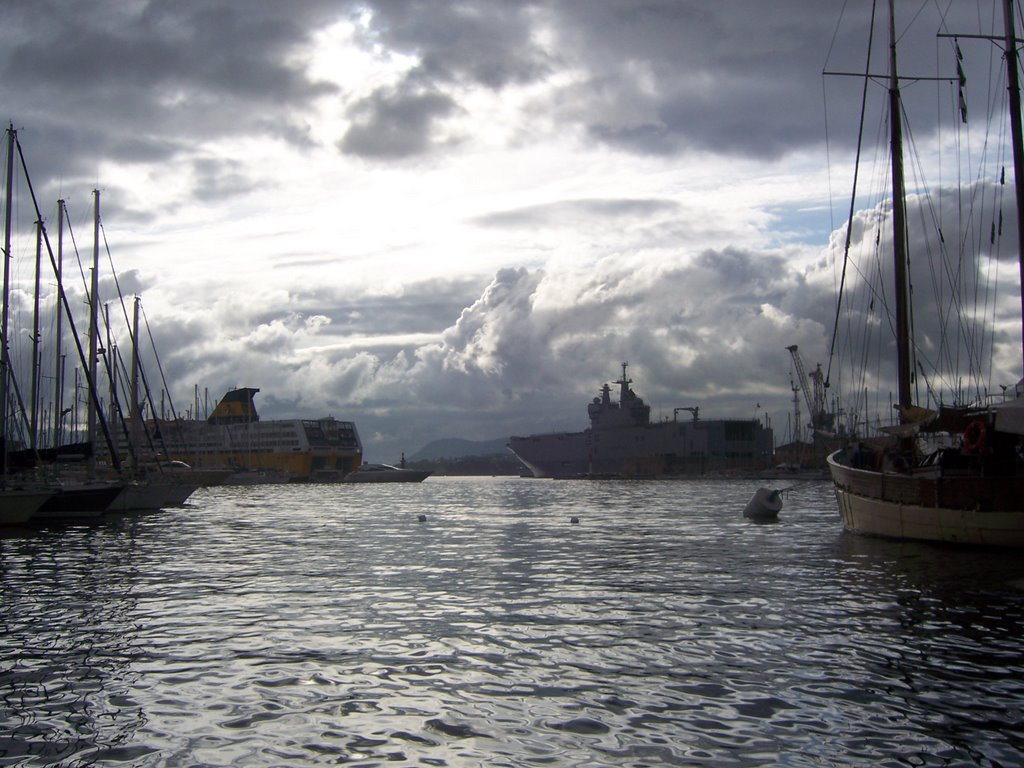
{"x":456,"y":448}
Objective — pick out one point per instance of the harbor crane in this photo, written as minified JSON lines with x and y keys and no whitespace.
{"x":821,"y":419}
{"x":797,"y":425}
{"x":694,"y":411}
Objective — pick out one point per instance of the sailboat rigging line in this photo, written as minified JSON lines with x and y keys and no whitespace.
{"x":78,"y":258}
{"x":974,"y":335}
{"x":160,"y":367}
{"x":93,"y":393}
{"x":124,"y":312}
{"x":1008,"y":42}
{"x":1013,"y":88}
{"x":117,"y":284}
{"x":113,"y":364}
{"x":929,"y":219}
{"x":853,"y":197}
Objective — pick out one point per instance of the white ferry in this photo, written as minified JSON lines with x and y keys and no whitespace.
{"x":233,"y":437}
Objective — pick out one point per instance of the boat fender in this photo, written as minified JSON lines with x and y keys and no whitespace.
{"x":975,"y":436}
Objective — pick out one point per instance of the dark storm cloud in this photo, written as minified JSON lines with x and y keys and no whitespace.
{"x":130,"y":56}
{"x":730,"y":77}
{"x":426,"y":306}
{"x":652,"y":77}
{"x":457,"y":45}
{"x":392,"y":124}
{"x":736,"y":267}
{"x":144,"y":81}
{"x":742,"y":78}
{"x":218,"y":180}
{"x":572,"y":212}
{"x":491,"y":43}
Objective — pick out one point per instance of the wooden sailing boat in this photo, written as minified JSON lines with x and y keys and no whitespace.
{"x":970,"y":493}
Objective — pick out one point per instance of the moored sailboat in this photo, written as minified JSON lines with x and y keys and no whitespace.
{"x":19,"y":505}
{"x":970,"y":491}
{"x":71,"y":481}
{"x":18,"y":501}
{"x":77,"y":495}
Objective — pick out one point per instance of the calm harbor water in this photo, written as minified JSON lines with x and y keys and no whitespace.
{"x":308,"y":625}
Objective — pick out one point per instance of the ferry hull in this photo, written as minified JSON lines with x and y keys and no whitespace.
{"x":978,"y":510}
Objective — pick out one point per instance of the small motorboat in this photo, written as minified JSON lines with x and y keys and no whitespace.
{"x":386,"y":473}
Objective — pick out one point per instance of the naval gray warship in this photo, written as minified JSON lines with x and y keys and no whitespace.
{"x":622,"y":442}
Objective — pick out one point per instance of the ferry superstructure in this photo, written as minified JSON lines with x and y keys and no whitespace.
{"x":622,"y":442}
{"x":234,"y":437}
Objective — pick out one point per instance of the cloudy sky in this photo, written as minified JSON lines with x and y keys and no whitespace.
{"x":456,"y":219}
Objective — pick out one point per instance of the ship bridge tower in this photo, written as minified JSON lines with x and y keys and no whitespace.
{"x":630,"y":411}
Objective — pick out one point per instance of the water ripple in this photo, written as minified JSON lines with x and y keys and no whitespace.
{"x":315,"y":625}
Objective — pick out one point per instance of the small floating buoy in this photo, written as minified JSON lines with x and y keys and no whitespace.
{"x":422,"y":518}
{"x":764,"y":505}
{"x":574,"y":520}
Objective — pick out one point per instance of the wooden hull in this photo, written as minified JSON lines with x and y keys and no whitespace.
{"x":974,"y":510}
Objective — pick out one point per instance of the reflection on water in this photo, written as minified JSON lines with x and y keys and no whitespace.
{"x":67,"y":629}
{"x":283,"y":625}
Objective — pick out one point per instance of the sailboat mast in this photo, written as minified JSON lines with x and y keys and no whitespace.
{"x":899,"y":227}
{"x":93,"y":331}
{"x":58,"y":375}
{"x":1013,"y":86}
{"x":33,"y":438}
{"x":135,"y":416}
{"x":4,"y":360}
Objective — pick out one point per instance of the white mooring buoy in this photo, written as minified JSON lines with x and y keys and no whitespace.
{"x":764,"y":505}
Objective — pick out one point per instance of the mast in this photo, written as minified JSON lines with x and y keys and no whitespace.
{"x":58,"y":368}
{"x":33,"y":437}
{"x":109,"y":353}
{"x":899,"y":228}
{"x":4,"y":367}
{"x":624,"y":385}
{"x":1013,"y":86}
{"x":93,"y":332}
{"x":135,"y":418}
